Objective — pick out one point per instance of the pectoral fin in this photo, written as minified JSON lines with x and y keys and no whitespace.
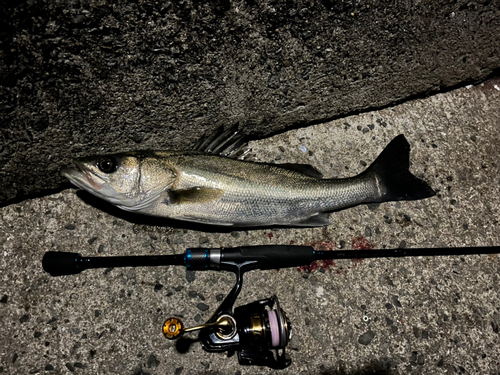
{"x":195,"y":194}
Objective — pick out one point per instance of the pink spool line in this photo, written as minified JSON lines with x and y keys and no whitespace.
{"x":275,"y":332}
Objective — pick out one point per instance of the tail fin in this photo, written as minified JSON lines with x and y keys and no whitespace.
{"x":396,"y":182}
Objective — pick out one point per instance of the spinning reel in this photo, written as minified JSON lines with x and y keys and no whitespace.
{"x":253,"y":330}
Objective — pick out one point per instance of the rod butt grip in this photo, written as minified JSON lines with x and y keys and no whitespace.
{"x":61,"y":263}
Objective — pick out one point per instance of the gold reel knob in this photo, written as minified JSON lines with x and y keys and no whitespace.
{"x":173,"y":328}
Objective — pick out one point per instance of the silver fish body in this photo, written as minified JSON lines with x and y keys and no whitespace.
{"x":210,"y":189}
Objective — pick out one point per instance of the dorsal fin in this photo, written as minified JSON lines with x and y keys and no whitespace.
{"x":228,"y":143}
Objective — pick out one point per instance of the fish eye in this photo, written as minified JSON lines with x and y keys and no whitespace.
{"x":107,"y":164}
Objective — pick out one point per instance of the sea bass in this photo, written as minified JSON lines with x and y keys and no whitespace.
{"x":211,"y":189}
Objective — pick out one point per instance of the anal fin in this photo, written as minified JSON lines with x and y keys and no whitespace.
{"x":318,"y":220}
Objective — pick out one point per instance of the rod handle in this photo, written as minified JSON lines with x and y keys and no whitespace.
{"x":270,"y":257}
{"x":61,"y":263}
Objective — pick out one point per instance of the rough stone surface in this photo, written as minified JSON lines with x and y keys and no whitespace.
{"x":86,"y":76}
{"x":109,"y":321}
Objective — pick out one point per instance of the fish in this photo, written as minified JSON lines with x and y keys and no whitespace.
{"x":209,"y":185}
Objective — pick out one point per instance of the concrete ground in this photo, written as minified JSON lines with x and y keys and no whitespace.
{"x":389,"y":316}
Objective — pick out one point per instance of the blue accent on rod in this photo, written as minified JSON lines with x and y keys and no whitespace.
{"x":187,"y":258}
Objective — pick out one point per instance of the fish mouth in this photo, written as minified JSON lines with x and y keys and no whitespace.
{"x":82,"y":177}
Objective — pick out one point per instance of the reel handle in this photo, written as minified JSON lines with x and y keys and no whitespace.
{"x":173,"y":328}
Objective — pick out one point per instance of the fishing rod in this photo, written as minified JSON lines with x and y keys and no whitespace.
{"x":253,"y":330}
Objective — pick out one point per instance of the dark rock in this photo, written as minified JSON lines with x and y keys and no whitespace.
{"x":49,"y":368}
{"x":413,"y":358}
{"x":395,"y":301}
{"x":4,"y":298}
{"x":417,"y":332}
{"x":92,"y":240}
{"x":366,"y":338}
{"x":70,"y":367}
{"x":37,"y":334}
{"x":158,"y":287}
{"x":24,"y":318}
{"x":79,"y":365}
{"x":153,"y":361}
{"x":178,"y":370}
{"x":420,"y":360}
{"x":190,"y":276}
{"x":389,"y":322}
{"x":70,"y":226}
{"x":368,"y":232}
{"x":494,"y":326}
{"x":202,"y":306}
{"x":219,"y":297}
{"x":388,"y":306}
